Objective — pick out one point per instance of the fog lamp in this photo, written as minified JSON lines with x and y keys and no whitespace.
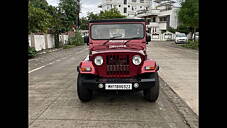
{"x":100,"y":85}
{"x":136,"y":85}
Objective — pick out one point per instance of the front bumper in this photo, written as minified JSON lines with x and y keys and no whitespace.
{"x":144,"y":83}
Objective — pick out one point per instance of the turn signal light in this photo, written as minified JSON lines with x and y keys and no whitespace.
{"x":149,"y":67}
{"x":85,"y":69}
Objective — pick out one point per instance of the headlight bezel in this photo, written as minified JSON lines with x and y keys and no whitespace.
{"x":136,"y":57}
{"x":96,"y":62}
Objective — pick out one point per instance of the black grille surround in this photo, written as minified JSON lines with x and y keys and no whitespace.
{"x":117,"y":64}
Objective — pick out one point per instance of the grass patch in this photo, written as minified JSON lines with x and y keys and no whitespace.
{"x":71,"y":46}
{"x":68,"y":46}
{"x":191,"y":44}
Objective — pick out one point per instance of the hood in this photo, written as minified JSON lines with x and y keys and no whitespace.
{"x":118,"y":51}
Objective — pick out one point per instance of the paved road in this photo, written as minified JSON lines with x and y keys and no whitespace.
{"x":53,"y":102}
{"x":179,"y":68}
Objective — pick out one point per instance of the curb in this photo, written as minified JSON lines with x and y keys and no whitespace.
{"x":49,"y":51}
{"x":190,"y":117}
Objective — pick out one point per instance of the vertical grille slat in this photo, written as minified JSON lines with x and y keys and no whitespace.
{"x":117,"y":64}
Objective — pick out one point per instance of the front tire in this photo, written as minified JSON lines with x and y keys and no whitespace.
{"x":83,"y":93}
{"x":152,"y":94}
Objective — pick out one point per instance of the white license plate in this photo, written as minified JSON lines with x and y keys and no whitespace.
{"x":118,"y":86}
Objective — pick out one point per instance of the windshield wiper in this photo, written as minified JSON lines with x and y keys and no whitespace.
{"x":131,"y":39}
{"x":111,"y":39}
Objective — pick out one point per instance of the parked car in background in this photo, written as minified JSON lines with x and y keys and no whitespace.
{"x":181,"y":38}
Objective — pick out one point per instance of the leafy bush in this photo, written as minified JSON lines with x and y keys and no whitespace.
{"x":31,"y":52}
{"x":170,"y":29}
{"x":77,"y":39}
{"x":191,"y":44}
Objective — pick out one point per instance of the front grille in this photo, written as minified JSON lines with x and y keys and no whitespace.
{"x":117,"y":64}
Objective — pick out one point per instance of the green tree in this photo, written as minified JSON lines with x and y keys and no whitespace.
{"x":92,"y":16}
{"x":57,"y":26}
{"x":69,"y":10}
{"x":107,"y":14}
{"x":183,"y":29}
{"x":38,"y":20}
{"x":84,"y":23}
{"x":110,"y":14}
{"x":39,"y":4}
{"x":189,"y":14}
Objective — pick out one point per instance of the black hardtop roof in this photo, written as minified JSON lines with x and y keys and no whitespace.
{"x":117,"y":20}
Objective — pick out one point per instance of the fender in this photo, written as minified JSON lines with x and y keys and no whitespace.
{"x":149,"y":63}
{"x":86,"y":63}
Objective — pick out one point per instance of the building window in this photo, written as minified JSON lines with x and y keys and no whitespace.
{"x":141,"y":1}
{"x":125,"y":10}
{"x":119,"y":5}
{"x":125,"y":1}
{"x":140,"y":6}
{"x":129,"y":6}
{"x":148,"y":20}
{"x":162,"y":19}
{"x":154,"y":19}
{"x":133,"y":0}
{"x":132,"y":8}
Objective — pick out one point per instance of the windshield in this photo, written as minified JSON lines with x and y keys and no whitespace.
{"x":181,"y":35}
{"x":117,"y":31}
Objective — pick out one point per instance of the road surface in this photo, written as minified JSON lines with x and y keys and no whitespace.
{"x":53,"y":101}
{"x":179,"y":68}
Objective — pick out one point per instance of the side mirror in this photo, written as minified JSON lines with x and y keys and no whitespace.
{"x":86,"y":40}
{"x":148,"y":39}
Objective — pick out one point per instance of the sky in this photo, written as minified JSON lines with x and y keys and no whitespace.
{"x":86,"y":6}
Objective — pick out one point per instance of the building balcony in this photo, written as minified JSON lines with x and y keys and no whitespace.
{"x":143,"y":13}
{"x":161,"y":25}
{"x":153,"y":24}
{"x":131,"y":12}
{"x":165,"y":12}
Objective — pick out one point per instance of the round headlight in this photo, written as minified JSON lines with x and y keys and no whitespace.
{"x":98,"y":60}
{"x":136,"y":60}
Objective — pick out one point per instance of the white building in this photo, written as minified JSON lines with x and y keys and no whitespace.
{"x":126,"y":7}
{"x":159,"y":14}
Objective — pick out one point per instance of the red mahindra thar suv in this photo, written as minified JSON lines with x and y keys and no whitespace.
{"x":117,"y":59}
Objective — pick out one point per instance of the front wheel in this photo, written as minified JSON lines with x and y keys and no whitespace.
{"x":152,"y":94}
{"x":83,"y":93}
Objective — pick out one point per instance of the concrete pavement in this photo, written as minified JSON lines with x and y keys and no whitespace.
{"x":179,"y":68}
{"x":53,"y":101}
